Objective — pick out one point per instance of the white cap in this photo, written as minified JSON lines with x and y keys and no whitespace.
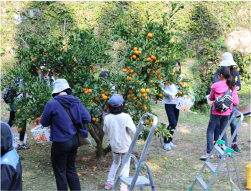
{"x":59,"y":86}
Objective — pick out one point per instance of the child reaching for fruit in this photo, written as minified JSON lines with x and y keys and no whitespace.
{"x":118,"y":126}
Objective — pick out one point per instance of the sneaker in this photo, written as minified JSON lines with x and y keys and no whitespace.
{"x":205,"y":156}
{"x":108,"y":186}
{"x":167,"y":146}
{"x":23,"y":146}
{"x":219,"y":156}
{"x":172,"y":145}
{"x":235,"y":148}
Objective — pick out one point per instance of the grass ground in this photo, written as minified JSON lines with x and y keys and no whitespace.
{"x":175,"y":173}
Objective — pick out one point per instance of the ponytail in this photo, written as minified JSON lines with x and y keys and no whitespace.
{"x":226,"y":74}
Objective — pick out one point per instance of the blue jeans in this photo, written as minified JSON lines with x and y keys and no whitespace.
{"x":173,"y":115}
{"x":232,"y":125}
{"x":214,"y":119}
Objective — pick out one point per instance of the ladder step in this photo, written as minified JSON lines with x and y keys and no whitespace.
{"x":141,"y":181}
{"x":228,"y":150}
{"x":201,"y":182}
{"x":210,"y":166}
{"x":221,"y":142}
{"x":219,"y":150}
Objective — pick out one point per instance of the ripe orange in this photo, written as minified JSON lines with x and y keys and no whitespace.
{"x":75,"y":60}
{"x":102,"y":95}
{"x":107,"y":93}
{"x":93,"y":119}
{"x":156,"y":129}
{"x":136,"y":52}
{"x":172,"y":73}
{"x":33,"y":60}
{"x":160,"y":95}
{"x":136,"y":74}
{"x":145,"y":98}
{"x":156,"y":87}
{"x":165,"y":59}
{"x":124,"y":70}
{"x":139,"y":52}
{"x":144,"y":107}
{"x":120,"y":93}
{"x":147,"y":121}
{"x":64,"y":43}
{"x":138,"y":103}
{"x":129,"y":96}
{"x":96,"y":98}
{"x":86,"y":92}
{"x":180,"y":92}
{"x":154,"y":99}
{"x":130,"y":71}
{"x":143,"y":66}
{"x":134,"y":57}
{"x":147,"y":90}
{"x":152,"y":71}
{"x":143,"y":94}
{"x":166,"y":82}
{"x":150,"y":123}
{"x":90,"y":90}
{"x":153,"y":57}
{"x":64,"y":50}
{"x":105,"y":97}
{"x":61,"y":49}
{"x":45,"y":51}
{"x":37,"y":68}
{"x":142,"y":90}
{"x":91,"y":101}
{"x":159,"y":77}
{"x":134,"y":98}
{"x":18,"y":110}
{"x":102,"y":91}
{"x":138,"y":59}
{"x":148,"y":59}
{"x":135,"y":48}
{"x":150,"y":35}
{"x":151,"y":81}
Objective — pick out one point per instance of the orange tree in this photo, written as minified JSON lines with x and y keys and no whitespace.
{"x":148,"y":65}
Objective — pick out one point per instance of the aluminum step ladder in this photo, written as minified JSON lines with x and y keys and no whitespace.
{"x":225,"y":152}
{"x":137,"y":180}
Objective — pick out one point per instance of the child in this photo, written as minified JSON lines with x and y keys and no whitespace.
{"x":118,"y":125}
{"x":218,"y":89}
{"x":11,"y":168}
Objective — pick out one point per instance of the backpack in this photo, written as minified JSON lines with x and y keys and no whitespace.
{"x":224,"y":102}
{"x":8,"y":95}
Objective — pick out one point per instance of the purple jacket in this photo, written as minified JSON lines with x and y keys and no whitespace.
{"x":62,"y":128}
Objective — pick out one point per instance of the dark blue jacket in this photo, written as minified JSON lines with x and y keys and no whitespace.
{"x":236,"y":73}
{"x":62,"y":128}
{"x":11,"y":169}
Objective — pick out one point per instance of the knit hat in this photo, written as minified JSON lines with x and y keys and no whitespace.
{"x":227,"y":60}
{"x":116,"y":100}
{"x":59,"y":86}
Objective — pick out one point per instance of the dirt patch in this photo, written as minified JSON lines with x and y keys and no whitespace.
{"x":240,"y":40}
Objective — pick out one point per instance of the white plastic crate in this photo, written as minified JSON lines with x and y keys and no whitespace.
{"x":41,"y":134}
{"x":16,"y":137}
{"x":210,"y":103}
{"x":185,"y":103}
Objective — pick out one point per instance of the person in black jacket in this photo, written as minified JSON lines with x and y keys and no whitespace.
{"x":11,"y":169}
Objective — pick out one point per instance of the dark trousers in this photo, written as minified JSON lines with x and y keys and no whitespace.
{"x":10,"y":122}
{"x":232,"y":125}
{"x":63,"y":155}
{"x":173,"y":115}
{"x":214,"y":119}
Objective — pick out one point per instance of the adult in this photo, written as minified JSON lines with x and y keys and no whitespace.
{"x":46,"y":76}
{"x":172,"y":112}
{"x":21,"y":145}
{"x":227,"y":60}
{"x":64,"y":134}
{"x":11,"y":168}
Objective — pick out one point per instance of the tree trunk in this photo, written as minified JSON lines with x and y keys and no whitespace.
{"x":97,"y":134}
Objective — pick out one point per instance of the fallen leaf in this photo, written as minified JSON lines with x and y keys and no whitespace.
{"x":79,"y":174}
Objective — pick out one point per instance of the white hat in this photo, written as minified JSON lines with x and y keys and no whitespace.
{"x":227,"y":60}
{"x":59,"y":86}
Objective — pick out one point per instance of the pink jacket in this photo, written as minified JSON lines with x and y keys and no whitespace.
{"x":218,"y":89}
